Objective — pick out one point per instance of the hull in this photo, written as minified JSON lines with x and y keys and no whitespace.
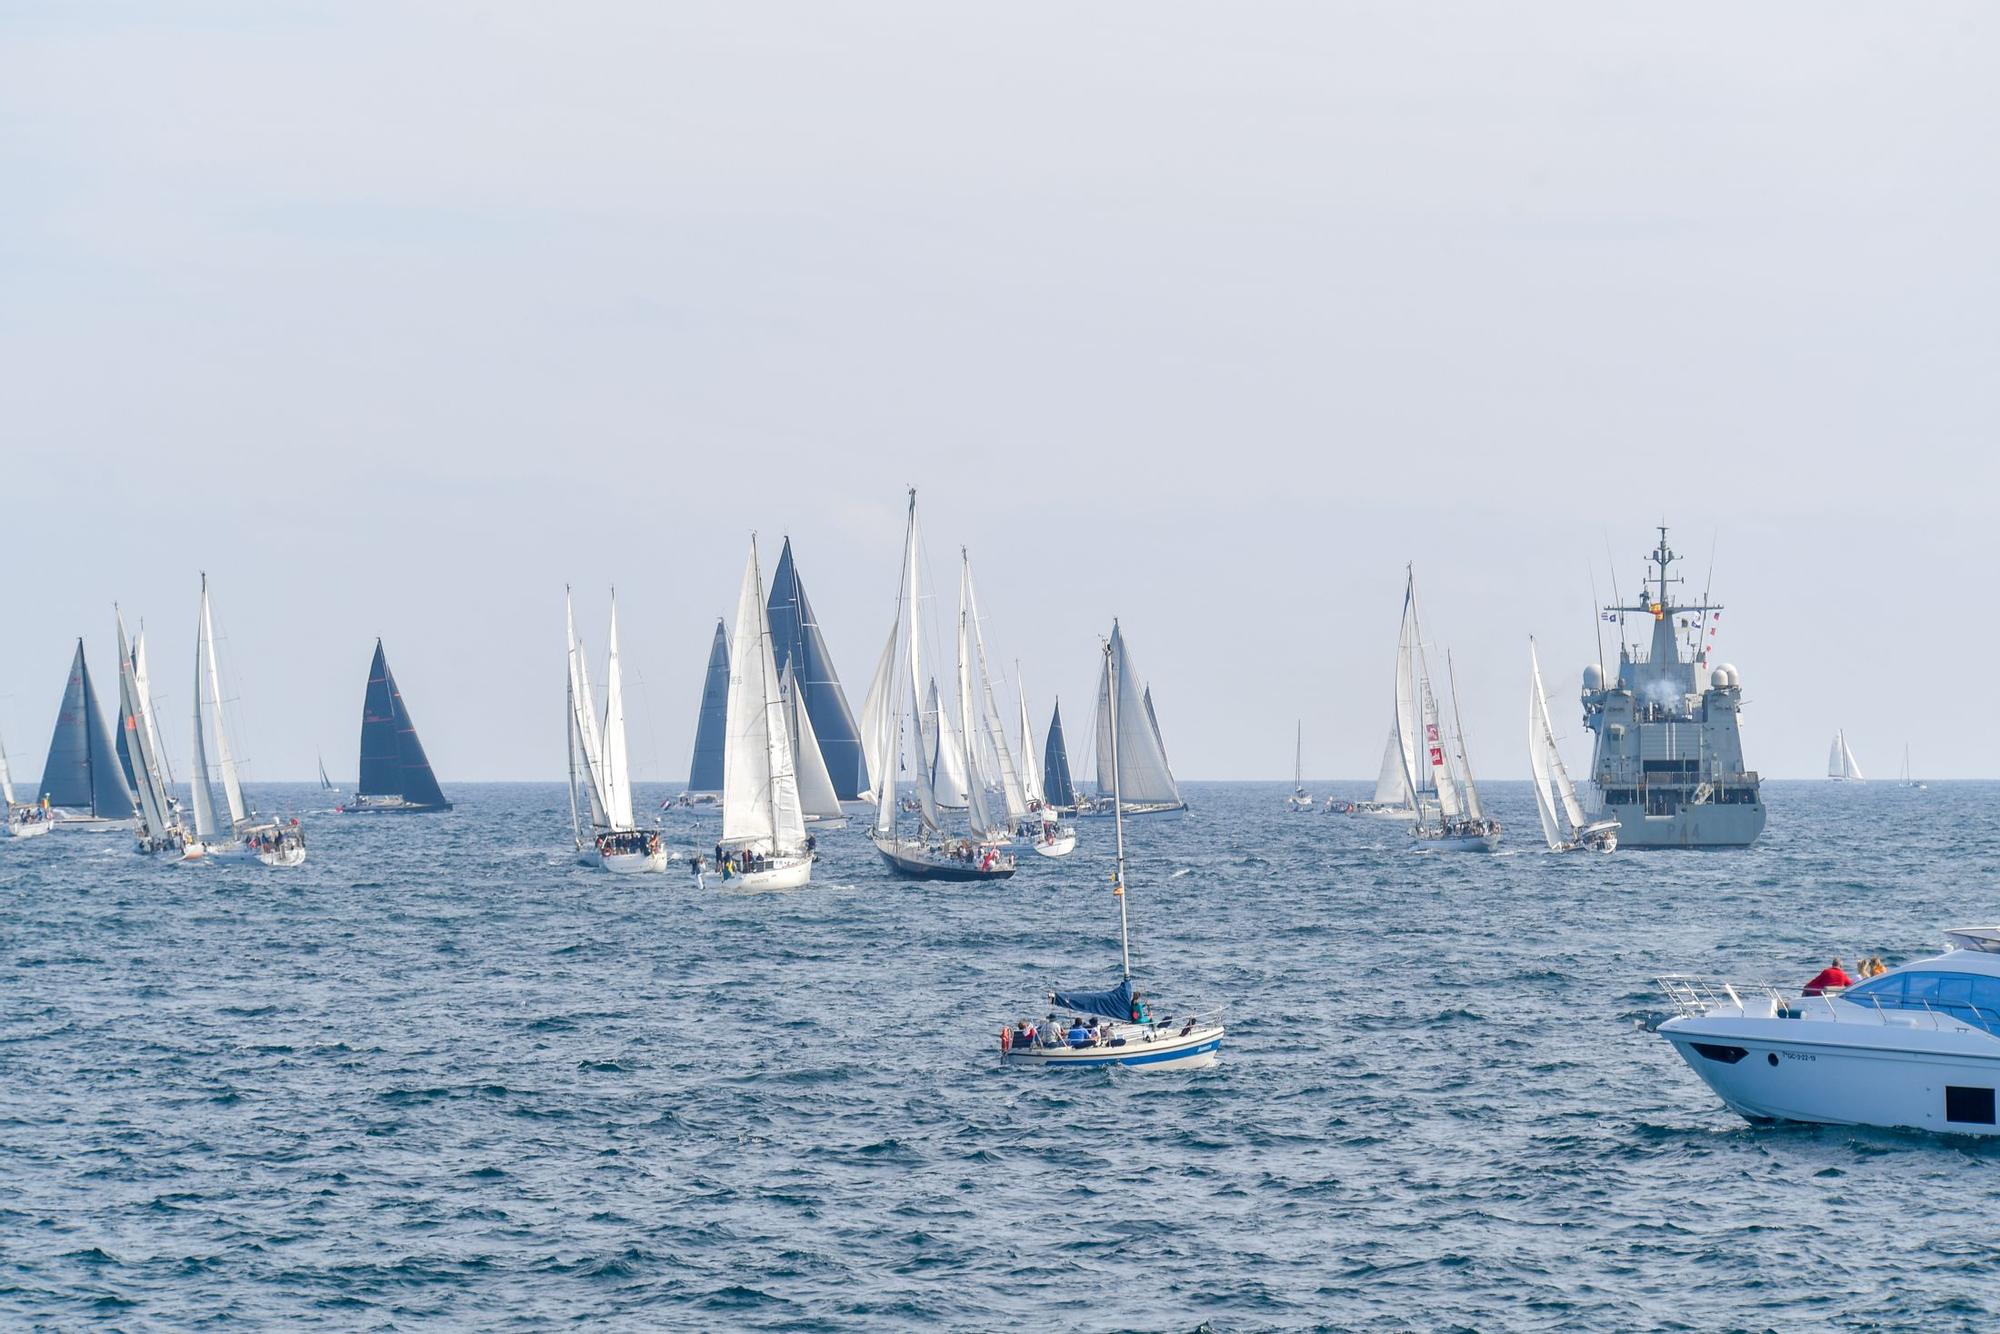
{"x":1460,"y":843}
{"x":1706,"y":826}
{"x":1103,"y":811}
{"x":1891,"y":1076}
{"x":85,"y":823}
{"x":922,"y":863}
{"x":195,"y":852}
{"x":1062,"y":845}
{"x":283,"y":857}
{"x":27,"y":830}
{"x":790,"y":873}
{"x":632,"y":863}
{"x":1195,"y":1050}
{"x":387,"y":806}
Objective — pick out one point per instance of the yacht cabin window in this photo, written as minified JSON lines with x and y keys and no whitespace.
{"x":1970,"y":997}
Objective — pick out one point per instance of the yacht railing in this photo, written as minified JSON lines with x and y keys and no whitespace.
{"x":1691,"y":995}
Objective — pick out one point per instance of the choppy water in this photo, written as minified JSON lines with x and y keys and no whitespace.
{"x":443,"y":1072}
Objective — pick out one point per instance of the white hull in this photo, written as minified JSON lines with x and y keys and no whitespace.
{"x":26,"y":830}
{"x":283,"y":857}
{"x":195,"y":851}
{"x":632,"y":863}
{"x":1138,"y":1047}
{"x":1102,"y":810}
{"x":1299,"y":805}
{"x":1460,"y":842}
{"x":778,"y":873}
{"x":1061,"y":845}
{"x":92,"y":824}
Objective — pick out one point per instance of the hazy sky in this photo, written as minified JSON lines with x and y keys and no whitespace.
{"x":396,"y":317}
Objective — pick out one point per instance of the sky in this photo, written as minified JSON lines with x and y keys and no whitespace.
{"x":396,"y":318}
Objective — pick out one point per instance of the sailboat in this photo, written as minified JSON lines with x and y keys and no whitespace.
{"x":1841,"y":765}
{"x":1392,"y":789}
{"x":160,"y":825}
{"x":800,"y":652}
{"x":396,"y":776}
{"x":764,"y":843}
{"x":1014,"y":781}
{"x":247,"y":835}
{"x":927,"y":853}
{"x":1149,"y":785}
{"x":613,"y":840}
{"x":1564,"y":823}
{"x":1443,"y":797}
{"x":1133,"y":1037}
{"x":1905,"y":781}
{"x":325,"y":784}
{"x":1300,"y":800}
{"x":819,"y":800}
{"x":1059,"y":785}
{"x":704,"y":788}
{"x":83,"y":786}
{"x":24,"y":819}
{"x":1045,"y":832}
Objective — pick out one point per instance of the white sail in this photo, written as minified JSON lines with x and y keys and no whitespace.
{"x":945,"y":753}
{"x":1541,"y":747}
{"x":817,"y":796}
{"x":1144,"y":775}
{"x":589,"y":746}
{"x":1031,"y":766}
{"x":977,"y":813}
{"x":760,"y":794}
{"x":1436,"y":753}
{"x":1391,"y":788}
{"x":1004,"y":770}
{"x":1840,"y":762}
{"x":878,"y":726}
{"x":1467,"y":788}
{"x":617,"y":762}
{"x":1409,"y":714}
{"x":225,"y":763}
{"x":207,"y":828}
{"x":155,"y":802}
{"x":144,"y":681}
{"x":6,"y":777}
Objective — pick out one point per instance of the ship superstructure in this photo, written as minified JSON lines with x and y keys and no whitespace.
{"x":1668,"y":763}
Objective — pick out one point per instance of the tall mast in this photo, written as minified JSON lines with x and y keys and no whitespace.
{"x":1299,"y":753}
{"x":1118,"y":814}
{"x":1458,"y":726}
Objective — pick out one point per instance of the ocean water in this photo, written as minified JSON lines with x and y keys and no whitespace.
{"x":441,"y":1072}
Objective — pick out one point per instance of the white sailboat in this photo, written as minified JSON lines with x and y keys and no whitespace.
{"x":1133,"y":1037}
{"x":599,"y":756}
{"x":160,"y":827}
{"x":764,"y":843}
{"x":1148,"y":779}
{"x":1905,"y":780}
{"x":1841,"y":766}
{"x":1564,"y":824}
{"x":1044,"y":830}
{"x":247,"y":836}
{"x":1300,"y":800}
{"x":24,"y":819}
{"x":1444,"y":799}
{"x":927,"y":853}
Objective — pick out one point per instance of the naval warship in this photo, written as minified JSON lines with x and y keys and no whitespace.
{"x":1668,"y":763}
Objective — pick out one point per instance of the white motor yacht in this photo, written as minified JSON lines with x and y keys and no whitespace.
{"x":1917,"y":1047}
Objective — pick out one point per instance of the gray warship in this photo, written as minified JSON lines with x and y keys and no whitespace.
{"x":1668,"y":763}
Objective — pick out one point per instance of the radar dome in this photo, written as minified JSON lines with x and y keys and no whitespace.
{"x":1735,"y":677}
{"x":1719,"y":679}
{"x":1593,"y":677}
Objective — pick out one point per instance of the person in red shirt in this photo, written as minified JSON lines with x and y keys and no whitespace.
{"x":1828,"y":978}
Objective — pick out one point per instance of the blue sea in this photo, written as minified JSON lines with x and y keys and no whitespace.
{"x":443,"y":1073}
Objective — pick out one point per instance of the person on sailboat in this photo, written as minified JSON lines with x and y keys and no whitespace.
{"x":1140,"y":1014}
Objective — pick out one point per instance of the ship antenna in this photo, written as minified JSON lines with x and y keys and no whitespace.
{"x":1597,"y":623}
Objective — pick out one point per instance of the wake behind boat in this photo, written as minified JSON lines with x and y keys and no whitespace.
{"x":1133,"y":1037}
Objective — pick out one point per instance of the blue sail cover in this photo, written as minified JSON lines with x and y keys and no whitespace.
{"x":795,"y":639}
{"x":1113,"y":1004}
{"x":393,"y":763}
{"x":705,"y":774}
{"x":82,"y":771}
{"x":1056,"y":784}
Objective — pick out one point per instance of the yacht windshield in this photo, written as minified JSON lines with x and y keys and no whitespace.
{"x":1970,"y":997}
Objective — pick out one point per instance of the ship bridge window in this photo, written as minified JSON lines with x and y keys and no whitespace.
{"x":1970,"y":997}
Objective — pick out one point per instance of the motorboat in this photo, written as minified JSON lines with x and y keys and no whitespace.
{"x":1916,"y":1047}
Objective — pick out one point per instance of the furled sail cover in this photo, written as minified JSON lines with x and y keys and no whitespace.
{"x":705,"y":774}
{"x":82,"y":771}
{"x":393,"y":763}
{"x":797,"y":643}
{"x":1055,"y":764}
{"x":1113,"y":1004}
{"x":1143,"y":774}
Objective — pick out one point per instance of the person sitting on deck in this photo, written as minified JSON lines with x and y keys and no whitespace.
{"x":1830,"y":978}
{"x":1079,"y":1036}
{"x":1140,"y":1014}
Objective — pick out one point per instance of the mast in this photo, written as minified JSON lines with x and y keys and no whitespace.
{"x":232,"y":789}
{"x":1299,"y":754}
{"x":1118,"y":826}
{"x":1464,"y":758}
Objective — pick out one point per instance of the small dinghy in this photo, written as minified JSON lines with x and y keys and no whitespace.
{"x":1114,"y":1027}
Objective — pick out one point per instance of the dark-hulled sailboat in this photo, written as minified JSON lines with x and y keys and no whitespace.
{"x":799,"y":647}
{"x":82,"y":781}
{"x":396,"y":777}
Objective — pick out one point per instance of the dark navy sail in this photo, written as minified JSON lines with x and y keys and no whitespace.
{"x":1113,"y":1004}
{"x":82,"y":772}
{"x":705,"y":774}
{"x":795,"y":639}
{"x":393,"y":763}
{"x":1056,"y":783}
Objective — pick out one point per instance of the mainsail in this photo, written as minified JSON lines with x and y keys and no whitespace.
{"x":705,"y":773}
{"x":1055,"y":763}
{"x":1391,"y":788}
{"x":586,"y":745}
{"x":1031,"y":774}
{"x":225,"y":759}
{"x":1146,"y":777}
{"x":156,"y":803}
{"x":944,"y":755}
{"x":981,"y":700}
{"x":393,"y":763}
{"x":82,"y":773}
{"x":978,"y":814}
{"x":797,"y":646}
{"x":895,"y":727}
{"x":760,"y":793}
{"x":817,"y":797}
{"x":1555,"y":795}
{"x":617,"y":762}
{"x":1840,"y":762}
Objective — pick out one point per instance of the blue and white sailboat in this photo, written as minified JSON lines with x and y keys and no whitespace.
{"x":83,"y":785}
{"x":1133,"y":1036}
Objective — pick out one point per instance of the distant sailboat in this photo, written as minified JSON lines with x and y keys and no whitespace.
{"x":83,"y":785}
{"x":1841,"y":765}
{"x":325,"y":784}
{"x":704,"y":787}
{"x":1444,"y":797}
{"x":247,"y":835}
{"x":1906,"y":781}
{"x":799,"y":648}
{"x":1045,"y":832}
{"x":1564,"y":824}
{"x":1133,"y":1037}
{"x":1392,"y":788}
{"x":764,"y":843}
{"x":1148,"y":779}
{"x":905,"y":709}
{"x":160,"y":825}
{"x":24,"y":819}
{"x":614,"y":840}
{"x":396,"y":776}
{"x":1300,"y":800}
{"x":1060,"y":787}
